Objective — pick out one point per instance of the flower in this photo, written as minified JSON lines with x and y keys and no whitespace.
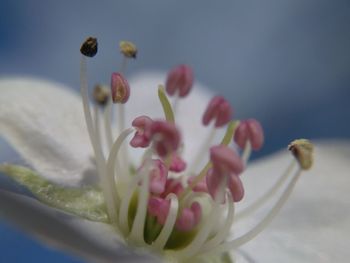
{"x":46,"y":128}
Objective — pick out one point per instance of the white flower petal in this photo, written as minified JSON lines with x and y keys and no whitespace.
{"x":95,"y":242}
{"x":44,"y":122}
{"x":314,"y":226}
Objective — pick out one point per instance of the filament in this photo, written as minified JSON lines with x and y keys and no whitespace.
{"x":267,"y":195}
{"x":100,"y":161}
{"x":263,"y":223}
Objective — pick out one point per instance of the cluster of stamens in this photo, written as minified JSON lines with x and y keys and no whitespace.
{"x":164,"y":203}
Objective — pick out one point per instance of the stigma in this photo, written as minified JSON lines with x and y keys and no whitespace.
{"x":165,"y":203}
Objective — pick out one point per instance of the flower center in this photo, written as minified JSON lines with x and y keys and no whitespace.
{"x":165,"y":204}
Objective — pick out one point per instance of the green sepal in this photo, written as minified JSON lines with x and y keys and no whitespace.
{"x":87,"y":202}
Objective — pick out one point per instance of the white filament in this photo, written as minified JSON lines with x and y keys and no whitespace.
{"x":224,"y":231}
{"x":233,"y":244}
{"x":107,"y":116}
{"x":165,"y":233}
{"x":202,"y":151}
{"x":271,"y":192}
{"x":125,"y":200}
{"x":137,"y":230}
{"x":113,"y":165}
{"x":100,"y":161}
{"x":202,"y":235}
{"x":247,"y":152}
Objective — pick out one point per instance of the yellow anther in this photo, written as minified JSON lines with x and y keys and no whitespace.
{"x":302,"y":150}
{"x":128,"y":49}
{"x":101,"y":95}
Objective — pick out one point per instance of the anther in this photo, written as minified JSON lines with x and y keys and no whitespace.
{"x":119,"y":88}
{"x":179,"y":81}
{"x":302,"y":150}
{"x":166,"y":137}
{"x":226,"y":167}
{"x":249,"y":131}
{"x":101,"y":95}
{"x":189,"y":217}
{"x":158,"y":176}
{"x":219,"y":110}
{"x":177,"y":164}
{"x":89,"y":47}
{"x":225,"y":159}
{"x":128,"y":49}
{"x":142,"y":137}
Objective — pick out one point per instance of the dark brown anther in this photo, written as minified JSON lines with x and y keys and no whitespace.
{"x":89,"y":47}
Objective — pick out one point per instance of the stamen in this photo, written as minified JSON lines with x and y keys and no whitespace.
{"x":126,"y":198}
{"x":267,"y":195}
{"x":227,"y":165}
{"x":120,"y":89}
{"x":128,"y":49}
{"x":101,"y":95}
{"x":120,"y":92}
{"x":203,"y":150}
{"x":202,"y":235}
{"x":113,"y":165}
{"x":107,"y":116}
{"x":249,"y":135}
{"x":143,"y":135}
{"x":224,"y":231}
{"x":168,"y":227}
{"x":225,"y":141}
{"x":97,"y":125}
{"x":218,"y":110}
{"x":89,"y":48}
{"x":246,"y":152}
{"x":263,"y":223}
{"x":302,"y":150}
{"x":137,"y":230}
{"x":166,"y":138}
{"x":179,"y":83}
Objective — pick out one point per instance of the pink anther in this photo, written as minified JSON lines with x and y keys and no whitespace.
{"x":219,"y":110}
{"x":227,"y":165}
{"x":236,"y":187}
{"x":177,"y":165}
{"x":159,"y":208}
{"x":173,"y":186}
{"x":166,"y":137}
{"x":225,"y":160}
{"x":158,"y":177}
{"x":142,"y":137}
{"x":179,"y":81}
{"x":201,"y":186}
{"x":120,"y":89}
{"x":189,"y":218}
{"x":249,"y":130}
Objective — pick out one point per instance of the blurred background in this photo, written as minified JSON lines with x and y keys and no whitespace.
{"x":284,"y":62}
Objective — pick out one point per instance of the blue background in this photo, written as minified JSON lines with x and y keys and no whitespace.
{"x":286,"y":63}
